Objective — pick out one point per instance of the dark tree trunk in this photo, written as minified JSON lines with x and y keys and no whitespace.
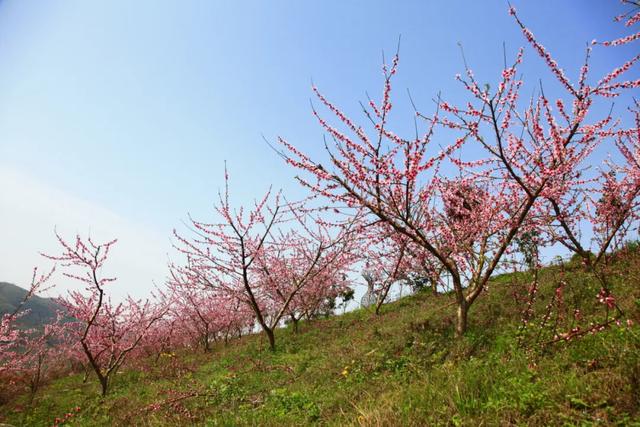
{"x":104,"y":384}
{"x":272,"y":338}
{"x":461,"y":320}
{"x":295,"y":323}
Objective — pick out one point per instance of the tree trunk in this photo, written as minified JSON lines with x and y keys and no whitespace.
{"x":295,"y":323}
{"x":378,"y":306}
{"x":461,"y":320}
{"x":382,"y":298}
{"x":104,"y":384}
{"x":35,"y":382}
{"x":272,"y":338}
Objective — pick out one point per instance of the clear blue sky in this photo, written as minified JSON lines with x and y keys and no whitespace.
{"x":123,"y":112}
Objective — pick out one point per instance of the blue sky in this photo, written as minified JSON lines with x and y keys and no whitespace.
{"x":116,"y":117}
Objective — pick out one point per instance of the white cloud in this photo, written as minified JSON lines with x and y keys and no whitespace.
{"x":31,"y":209}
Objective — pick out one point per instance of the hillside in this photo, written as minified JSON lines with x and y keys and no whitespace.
{"x":41,"y":310}
{"x":403,"y":367}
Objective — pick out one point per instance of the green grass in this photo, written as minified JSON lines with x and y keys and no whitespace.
{"x":403,"y":367}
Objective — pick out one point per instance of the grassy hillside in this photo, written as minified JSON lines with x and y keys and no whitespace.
{"x":41,"y":310}
{"x":403,"y":367}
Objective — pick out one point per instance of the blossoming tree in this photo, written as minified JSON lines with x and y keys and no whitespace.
{"x":464,"y":210}
{"x":107,"y":333}
{"x":263,"y":256}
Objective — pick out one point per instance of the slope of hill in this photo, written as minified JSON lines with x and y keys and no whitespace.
{"x":403,"y":367}
{"x":41,"y":310}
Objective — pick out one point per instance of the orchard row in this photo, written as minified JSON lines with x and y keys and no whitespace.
{"x":483,"y":185}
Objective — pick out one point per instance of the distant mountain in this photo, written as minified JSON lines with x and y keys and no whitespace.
{"x":41,"y":310}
